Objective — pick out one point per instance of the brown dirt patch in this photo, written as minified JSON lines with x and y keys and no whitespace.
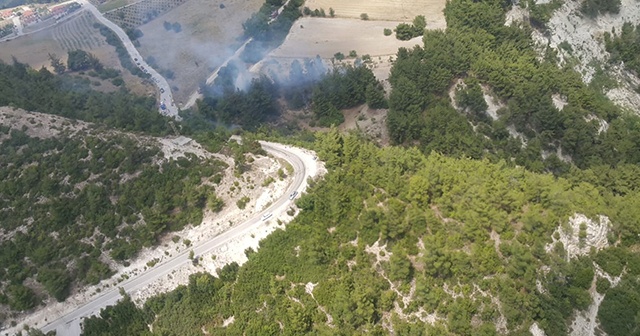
{"x":32,"y":49}
{"x":209,"y":35}
{"x":392,"y":10}
{"x":370,"y":122}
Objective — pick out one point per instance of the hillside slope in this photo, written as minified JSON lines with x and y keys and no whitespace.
{"x":579,"y":40}
{"x":75,"y":199}
{"x":393,"y":242}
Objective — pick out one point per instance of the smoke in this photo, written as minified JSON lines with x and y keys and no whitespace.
{"x":209,"y":36}
{"x":292,"y":73}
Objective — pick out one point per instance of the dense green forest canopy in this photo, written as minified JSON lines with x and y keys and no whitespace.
{"x":427,"y":244}
{"x":71,"y":97}
{"x":391,"y":235}
{"x":624,"y":47}
{"x":478,"y":47}
{"x":64,"y":201}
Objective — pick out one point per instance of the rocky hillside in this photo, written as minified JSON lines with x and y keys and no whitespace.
{"x":579,"y":41}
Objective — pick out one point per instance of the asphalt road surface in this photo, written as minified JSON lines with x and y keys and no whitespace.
{"x":162,"y":84}
{"x":70,"y":323}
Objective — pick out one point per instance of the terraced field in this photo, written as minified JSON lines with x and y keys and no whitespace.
{"x":78,"y":33}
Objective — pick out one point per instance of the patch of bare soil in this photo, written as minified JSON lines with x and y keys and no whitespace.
{"x":371,"y":122}
{"x":391,"y":10}
{"x":325,"y":37}
{"x":32,"y":49}
{"x":209,"y":34}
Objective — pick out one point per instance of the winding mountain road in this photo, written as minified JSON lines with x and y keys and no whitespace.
{"x":304,"y":166}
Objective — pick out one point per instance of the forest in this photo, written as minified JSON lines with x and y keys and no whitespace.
{"x":66,"y":201}
{"x":624,"y":47}
{"x":461,"y":240}
{"x":308,"y":85}
{"x":479,"y":49}
{"x":453,"y":230}
{"x":72,"y":97}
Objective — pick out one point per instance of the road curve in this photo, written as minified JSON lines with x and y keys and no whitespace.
{"x":304,"y":166}
{"x":163,"y":86}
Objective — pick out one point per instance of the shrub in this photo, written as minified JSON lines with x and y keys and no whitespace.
{"x":364,"y":16}
{"x":404,"y":32}
{"x":242,"y":203}
{"x":215,"y":203}
{"x":117,"y":81}
{"x":388,"y":32}
{"x":602,"y":285}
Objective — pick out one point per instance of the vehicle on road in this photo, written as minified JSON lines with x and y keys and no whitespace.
{"x":293,"y":195}
{"x":266,"y":216}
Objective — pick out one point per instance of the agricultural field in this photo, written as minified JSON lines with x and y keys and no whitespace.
{"x":76,"y":33}
{"x":208,"y":36}
{"x":391,"y":10}
{"x":79,"y":34}
{"x":325,"y":37}
{"x":113,"y":4}
{"x":32,"y":49}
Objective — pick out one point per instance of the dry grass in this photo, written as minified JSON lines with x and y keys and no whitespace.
{"x":32,"y":49}
{"x":325,"y":37}
{"x":392,"y":10}
{"x":209,"y":35}
{"x":77,"y":33}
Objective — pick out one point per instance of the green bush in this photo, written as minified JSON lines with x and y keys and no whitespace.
{"x":242,"y":202}
{"x":593,"y":8}
{"x":215,"y":203}
{"x":602,"y":285}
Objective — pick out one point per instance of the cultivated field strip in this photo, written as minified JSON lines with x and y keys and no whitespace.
{"x":78,"y":33}
{"x":392,"y":10}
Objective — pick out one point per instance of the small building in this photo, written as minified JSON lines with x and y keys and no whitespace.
{"x":28,"y":17}
{"x":7,"y":13}
{"x":58,"y":10}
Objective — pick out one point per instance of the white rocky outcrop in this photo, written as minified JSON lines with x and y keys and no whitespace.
{"x":584,"y":35}
{"x":569,"y":235}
